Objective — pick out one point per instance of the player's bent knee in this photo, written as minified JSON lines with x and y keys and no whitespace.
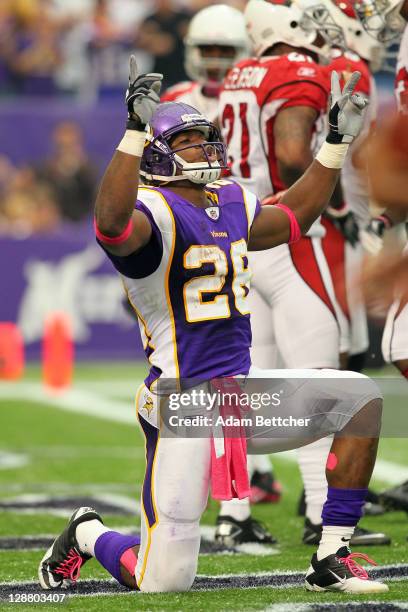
{"x":172,"y":562}
{"x":366,"y":422}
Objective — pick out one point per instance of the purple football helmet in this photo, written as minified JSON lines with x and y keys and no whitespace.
{"x":160,"y":162}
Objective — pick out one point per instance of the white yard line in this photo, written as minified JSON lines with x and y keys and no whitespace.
{"x":123,"y":388}
{"x":337,"y":607}
{"x":94,"y":404}
{"x":65,"y":488}
{"x":91,"y":452}
{"x":11,"y":460}
{"x":74,"y":400}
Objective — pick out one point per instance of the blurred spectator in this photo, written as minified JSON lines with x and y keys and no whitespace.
{"x":7,"y":172}
{"x":36,"y":55}
{"x":96,"y":40}
{"x":109,"y":48}
{"x":27,"y":206}
{"x":70,"y":173}
{"x":81,"y":47}
{"x":6,"y":44}
{"x":162,"y":34}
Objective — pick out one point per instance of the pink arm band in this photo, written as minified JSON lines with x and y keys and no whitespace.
{"x":295,"y":233}
{"x":117,"y":239}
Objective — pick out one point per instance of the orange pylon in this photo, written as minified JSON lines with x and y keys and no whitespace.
{"x":11,"y":352}
{"x":57,"y":353}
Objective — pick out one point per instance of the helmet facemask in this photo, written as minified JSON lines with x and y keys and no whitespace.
{"x":318,"y":18}
{"x":381,"y":18}
{"x":219,"y":27}
{"x":199,"y":67}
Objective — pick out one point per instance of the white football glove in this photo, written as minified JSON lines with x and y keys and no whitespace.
{"x":346,"y":110}
{"x":142,"y":96}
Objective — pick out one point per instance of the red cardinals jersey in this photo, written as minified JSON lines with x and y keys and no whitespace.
{"x":190,"y":92}
{"x":401,"y":81}
{"x":345,"y":63}
{"x":254,"y":92}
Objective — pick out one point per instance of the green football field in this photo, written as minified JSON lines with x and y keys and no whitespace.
{"x":84,"y":448}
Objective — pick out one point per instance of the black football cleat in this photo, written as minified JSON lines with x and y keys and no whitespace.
{"x":60,"y":566}
{"x":340,"y":572}
{"x":361,"y":537}
{"x":373,"y":506}
{"x":229,"y":532}
{"x":396,"y":498}
{"x":264,"y":489}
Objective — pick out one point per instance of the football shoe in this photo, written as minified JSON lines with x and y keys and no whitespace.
{"x":396,"y":498}
{"x":341,"y":572}
{"x":361,"y":537}
{"x":61,"y":565}
{"x":229,"y":532}
{"x":264,"y":489}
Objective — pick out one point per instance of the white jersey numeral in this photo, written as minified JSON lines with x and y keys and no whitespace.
{"x":240,"y":283}
{"x":218,"y":308}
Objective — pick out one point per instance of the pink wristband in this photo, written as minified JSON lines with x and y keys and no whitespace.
{"x":295,"y":233}
{"x":117,"y":239}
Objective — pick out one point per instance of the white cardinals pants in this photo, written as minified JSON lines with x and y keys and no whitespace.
{"x":345,"y":262}
{"x":294,"y":317}
{"x":395,"y":336}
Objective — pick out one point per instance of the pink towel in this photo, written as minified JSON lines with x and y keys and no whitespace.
{"x":229,"y":474}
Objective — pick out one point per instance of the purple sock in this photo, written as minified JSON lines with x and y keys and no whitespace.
{"x":343,"y":507}
{"x":109,"y":548}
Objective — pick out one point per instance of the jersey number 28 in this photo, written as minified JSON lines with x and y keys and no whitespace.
{"x":219,"y":307}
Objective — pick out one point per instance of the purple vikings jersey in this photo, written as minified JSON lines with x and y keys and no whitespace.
{"x":189,"y":285}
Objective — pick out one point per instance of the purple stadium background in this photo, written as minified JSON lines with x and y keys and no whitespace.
{"x":65,"y":271}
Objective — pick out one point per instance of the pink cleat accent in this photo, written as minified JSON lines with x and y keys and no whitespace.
{"x":357,"y":570}
{"x":71,"y":567}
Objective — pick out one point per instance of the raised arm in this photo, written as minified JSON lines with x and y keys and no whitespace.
{"x":121,"y":228}
{"x":292,"y":135}
{"x":306,"y":199}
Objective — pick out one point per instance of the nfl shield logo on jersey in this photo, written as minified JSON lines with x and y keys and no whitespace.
{"x":213,"y":212}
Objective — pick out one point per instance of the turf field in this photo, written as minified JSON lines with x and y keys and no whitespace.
{"x":84,"y":447}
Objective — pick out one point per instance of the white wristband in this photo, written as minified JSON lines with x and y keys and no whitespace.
{"x":332,"y":155}
{"x":338,"y":213}
{"x":132,"y":143}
